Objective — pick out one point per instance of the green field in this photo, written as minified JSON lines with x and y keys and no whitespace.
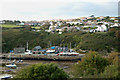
{"x":36,"y":27}
{"x":9,"y":26}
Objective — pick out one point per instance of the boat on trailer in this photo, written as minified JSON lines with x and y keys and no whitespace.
{"x":68,"y":54}
{"x":11,"y":65}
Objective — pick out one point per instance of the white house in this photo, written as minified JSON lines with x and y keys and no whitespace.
{"x":2,"y":22}
{"x":47,"y":30}
{"x":106,"y":23}
{"x":60,"y":32}
{"x":74,"y":22}
{"x":101,"y":17}
{"x":115,"y":25}
{"x":38,"y":30}
{"x":85,"y":26}
{"x":59,"y":23}
{"x":101,"y":28}
{"x":58,"y":29}
{"x":51,"y":23}
{"x":21,"y":24}
{"x":112,"y":18}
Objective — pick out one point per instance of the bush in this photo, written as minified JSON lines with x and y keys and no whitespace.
{"x":91,"y":64}
{"x":111,"y":71}
{"x":42,"y":71}
{"x":113,"y":58}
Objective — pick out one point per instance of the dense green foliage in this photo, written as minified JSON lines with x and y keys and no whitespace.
{"x":104,"y":42}
{"x":97,"y":42}
{"x":91,"y":64}
{"x":95,"y":66}
{"x":42,"y":72}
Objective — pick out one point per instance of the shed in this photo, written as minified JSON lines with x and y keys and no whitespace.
{"x":19,"y":50}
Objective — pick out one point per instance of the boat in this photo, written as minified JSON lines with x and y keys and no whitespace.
{"x":11,"y":65}
{"x":68,"y":54}
{"x":5,"y":76}
{"x":28,"y":52}
{"x":19,"y":61}
{"x":50,"y":51}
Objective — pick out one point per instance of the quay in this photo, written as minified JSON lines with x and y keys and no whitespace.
{"x":42,"y":57}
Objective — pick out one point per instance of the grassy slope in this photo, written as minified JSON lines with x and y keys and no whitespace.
{"x":10,"y":26}
{"x":38,"y":27}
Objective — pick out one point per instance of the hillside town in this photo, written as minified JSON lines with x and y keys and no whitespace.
{"x":87,"y":24}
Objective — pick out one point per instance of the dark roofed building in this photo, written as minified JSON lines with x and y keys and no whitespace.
{"x":37,"y":48}
{"x":19,"y":50}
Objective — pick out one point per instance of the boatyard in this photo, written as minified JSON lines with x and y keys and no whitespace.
{"x":19,"y":58}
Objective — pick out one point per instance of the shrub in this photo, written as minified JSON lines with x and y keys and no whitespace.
{"x":42,"y":71}
{"x":111,"y":71}
{"x":91,"y":64}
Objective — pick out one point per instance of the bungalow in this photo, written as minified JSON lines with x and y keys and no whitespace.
{"x":112,"y":18}
{"x":2,"y":22}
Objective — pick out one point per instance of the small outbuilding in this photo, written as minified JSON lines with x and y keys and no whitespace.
{"x":19,"y":50}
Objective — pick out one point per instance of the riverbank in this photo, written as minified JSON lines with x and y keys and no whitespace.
{"x":65,"y":65}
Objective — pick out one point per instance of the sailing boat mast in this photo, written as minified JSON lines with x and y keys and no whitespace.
{"x":70,"y":46}
{"x":50,"y":43}
{"x":27,"y":46}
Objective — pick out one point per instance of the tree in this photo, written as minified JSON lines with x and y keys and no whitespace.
{"x":97,"y":42}
{"x":117,"y":34}
{"x":111,"y":71}
{"x":42,"y":72}
{"x":107,"y":18}
{"x":91,"y":64}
